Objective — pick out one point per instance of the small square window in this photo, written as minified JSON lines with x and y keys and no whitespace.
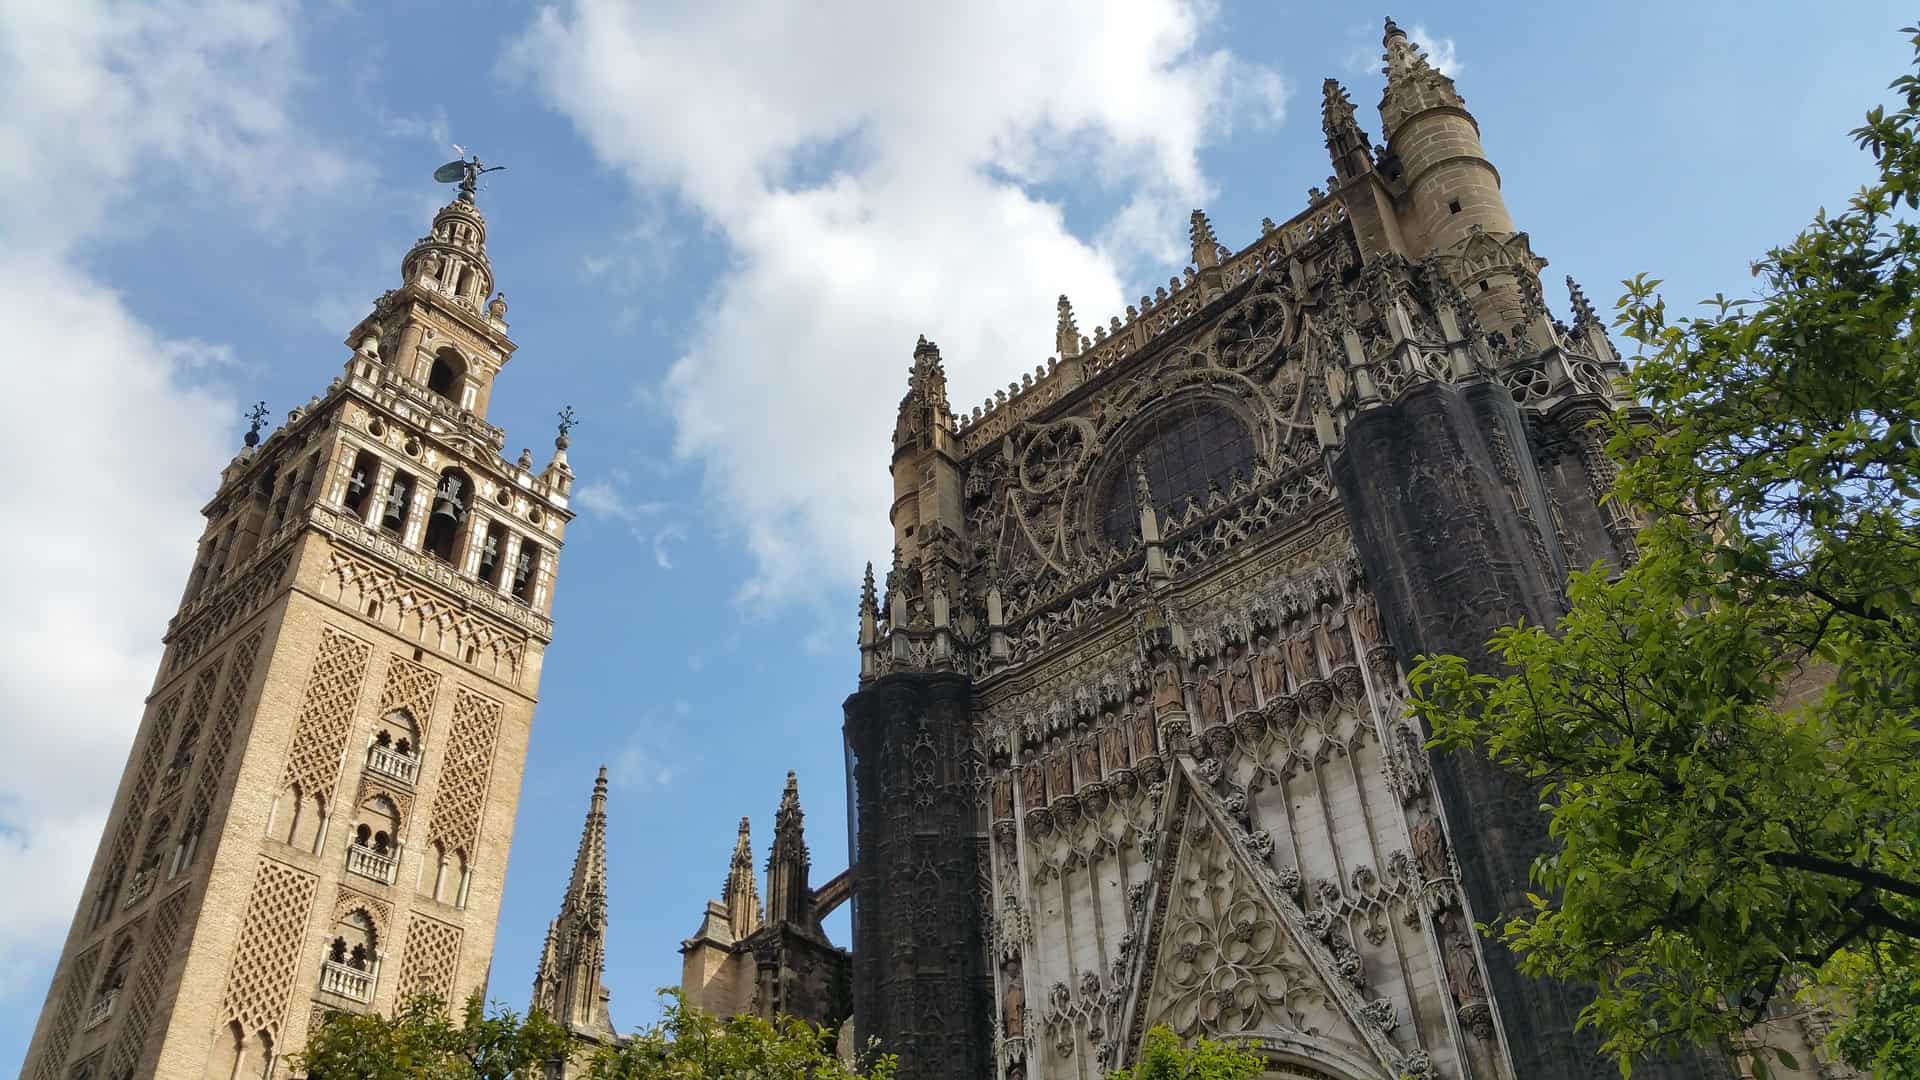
{"x":1453,"y":207}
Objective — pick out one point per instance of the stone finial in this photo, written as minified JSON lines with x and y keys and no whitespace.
{"x":497,"y":307}
{"x":1583,"y":313}
{"x":868,"y":597}
{"x":567,"y":423}
{"x":1206,"y":247}
{"x":1066,"y":334}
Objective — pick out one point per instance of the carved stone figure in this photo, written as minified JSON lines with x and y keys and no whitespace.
{"x":1089,"y":757}
{"x":1033,"y":780}
{"x":1271,"y":669}
{"x":1430,"y":847}
{"x":1463,"y":970}
{"x":1113,"y":747}
{"x":1366,"y":621}
{"x":1300,"y":659}
{"x":1339,"y":645}
{"x":1145,"y":742}
{"x":1212,"y":708}
{"x":1166,"y":692}
{"x":1059,"y":774}
{"x":1003,"y":798}
{"x":1240,"y":684}
{"x":1013,"y":1005}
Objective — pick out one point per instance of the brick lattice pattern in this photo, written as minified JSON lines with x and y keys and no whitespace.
{"x":326,"y":713}
{"x":268,"y":953}
{"x":72,"y":998}
{"x":409,"y":686}
{"x":146,"y":985}
{"x":432,"y":956}
{"x":465,"y":773}
{"x":228,"y":718}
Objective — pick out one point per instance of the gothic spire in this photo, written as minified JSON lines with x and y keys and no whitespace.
{"x":924,"y":407}
{"x":788,"y":898}
{"x":1346,"y":141}
{"x":1206,"y":246}
{"x":566,"y":985}
{"x":741,"y":893}
{"x":1413,"y":84}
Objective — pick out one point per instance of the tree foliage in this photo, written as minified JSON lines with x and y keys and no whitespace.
{"x":1725,"y":733}
{"x":421,"y":1042}
{"x":689,"y":1043}
{"x":1163,"y":1057}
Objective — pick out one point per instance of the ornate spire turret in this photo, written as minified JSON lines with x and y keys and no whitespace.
{"x":1206,"y":246}
{"x":741,"y":893}
{"x":1413,"y":84}
{"x":923,"y":408}
{"x":1347,"y":142}
{"x":788,"y":897}
{"x":566,"y":985}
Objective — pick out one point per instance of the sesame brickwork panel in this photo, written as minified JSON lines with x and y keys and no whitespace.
{"x":431,"y":958}
{"x":467,"y":769}
{"x":326,"y":711}
{"x":225,"y":722}
{"x":267,"y":955}
{"x":73,"y":995}
{"x":145,"y":997}
{"x":409,"y":686}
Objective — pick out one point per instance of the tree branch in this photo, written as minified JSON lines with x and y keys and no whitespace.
{"x":1832,"y":868}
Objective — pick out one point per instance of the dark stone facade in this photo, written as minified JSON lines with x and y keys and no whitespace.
{"x":920,"y":983}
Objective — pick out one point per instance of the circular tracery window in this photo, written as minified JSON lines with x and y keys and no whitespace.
{"x":1184,"y":448}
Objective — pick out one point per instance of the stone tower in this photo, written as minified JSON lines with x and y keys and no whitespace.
{"x":316,"y":811}
{"x":1128,"y":746}
{"x":777,"y":961}
{"x":566,"y":984}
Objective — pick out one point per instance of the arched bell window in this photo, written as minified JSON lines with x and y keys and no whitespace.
{"x":492,"y":551}
{"x":1187,"y":448}
{"x":526,"y":568}
{"x":449,"y":513}
{"x":399,"y":500}
{"x":366,"y":469}
{"x":447,"y":375}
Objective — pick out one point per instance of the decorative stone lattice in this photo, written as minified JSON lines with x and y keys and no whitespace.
{"x":239,"y":675}
{"x":145,"y":991}
{"x":432,"y":956}
{"x":268,"y":952}
{"x":347,"y":901}
{"x":244,"y":597}
{"x":326,"y":713}
{"x":464,"y":775}
{"x":72,"y":997}
{"x":409,"y":686}
{"x":150,"y":758}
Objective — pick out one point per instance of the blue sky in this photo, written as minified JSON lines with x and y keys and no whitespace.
{"x":719,"y":233}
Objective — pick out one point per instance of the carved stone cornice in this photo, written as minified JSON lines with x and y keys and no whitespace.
{"x":460,"y":590}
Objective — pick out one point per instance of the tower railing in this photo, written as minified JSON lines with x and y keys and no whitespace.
{"x":102,"y":1008}
{"x":346,"y":981}
{"x":369,"y":863}
{"x":392,"y":763}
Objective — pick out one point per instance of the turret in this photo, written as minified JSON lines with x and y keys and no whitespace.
{"x":1435,"y":143}
{"x":788,"y":898}
{"x":566,"y":985}
{"x":927,"y":494}
{"x":1347,"y":143}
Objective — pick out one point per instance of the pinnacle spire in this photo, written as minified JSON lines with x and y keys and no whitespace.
{"x":1206,"y":247}
{"x":1413,"y":84}
{"x":924,"y":407}
{"x":1583,"y":313}
{"x":1346,"y":139}
{"x":1066,"y":334}
{"x":741,"y":893}
{"x":788,"y":898}
{"x":566,"y":985}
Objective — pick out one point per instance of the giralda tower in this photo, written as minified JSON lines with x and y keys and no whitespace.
{"x":316,"y":810}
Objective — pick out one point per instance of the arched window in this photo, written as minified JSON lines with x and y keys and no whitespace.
{"x":446,"y":375}
{"x":393,"y":515}
{"x":492,"y":551}
{"x":352,"y":958}
{"x":395,"y":750}
{"x":450,"y":500}
{"x":375,"y":851}
{"x":111,"y":982}
{"x":366,"y":468}
{"x":1186,"y":449}
{"x":526,"y":568}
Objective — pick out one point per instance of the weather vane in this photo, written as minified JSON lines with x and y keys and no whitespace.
{"x":256,"y":416}
{"x":465,"y":171}
{"x":567,"y":423}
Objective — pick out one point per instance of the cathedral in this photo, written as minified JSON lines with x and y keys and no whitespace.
{"x":1127,"y":744}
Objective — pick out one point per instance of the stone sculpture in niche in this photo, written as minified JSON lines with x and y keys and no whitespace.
{"x":1339,"y":646}
{"x":1240,"y":685}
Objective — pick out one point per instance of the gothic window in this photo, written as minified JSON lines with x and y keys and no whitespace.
{"x":1186,"y":448}
{"x":492,"y":551}
{"x":526,"y":567}
{"x":447,"y":375}
{"x":366,"y":469}
{"x":450,"y":501}
{"x":399,"y":499}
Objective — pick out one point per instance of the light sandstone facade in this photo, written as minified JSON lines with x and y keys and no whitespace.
{"x":316,"y":811}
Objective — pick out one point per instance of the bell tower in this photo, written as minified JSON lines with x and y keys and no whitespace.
{"x":316,"y":810}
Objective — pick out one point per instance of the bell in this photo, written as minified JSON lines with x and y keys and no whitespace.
{"x":523,"y":569}
{"x":358,"y":485}
{"x":447,"y":502}
{"x":489,"y":557}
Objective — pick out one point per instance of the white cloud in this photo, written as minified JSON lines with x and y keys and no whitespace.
{"x":1440,"y":51}
{"x":872,"y":170}
{"x":114,"y":438}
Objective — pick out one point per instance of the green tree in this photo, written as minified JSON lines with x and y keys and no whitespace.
{"x":1725,"y":733}
{"x":689,"y":1043}
{"x":1162,"y":1057}
{"x":421,"y":1042}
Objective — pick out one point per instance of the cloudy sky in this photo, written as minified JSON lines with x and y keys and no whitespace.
{"x":720,"y":229}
